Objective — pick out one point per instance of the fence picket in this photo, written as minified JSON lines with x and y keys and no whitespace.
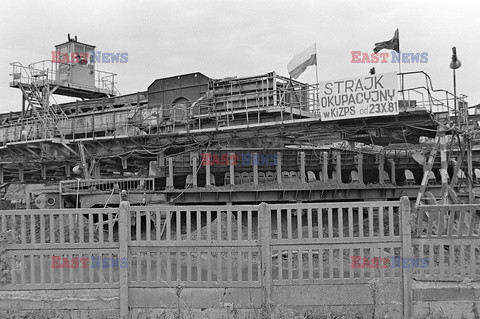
{"x":321,"y":253}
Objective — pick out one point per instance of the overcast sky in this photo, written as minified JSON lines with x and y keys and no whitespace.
{"x":241,"y":38}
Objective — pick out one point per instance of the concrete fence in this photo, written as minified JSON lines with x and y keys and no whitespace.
{"x":215,"y":260}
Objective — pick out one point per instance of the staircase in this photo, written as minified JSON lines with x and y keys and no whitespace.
{"x":43,"y":111}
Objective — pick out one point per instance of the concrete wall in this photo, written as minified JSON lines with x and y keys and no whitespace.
{"x":451,"y":299}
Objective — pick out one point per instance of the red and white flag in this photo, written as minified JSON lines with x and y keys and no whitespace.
{"x":301,"y":61}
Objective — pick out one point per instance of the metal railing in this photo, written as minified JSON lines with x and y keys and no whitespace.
{"x":216,"y":108}
{"x":437,"y":100}
{"x":46,"y":71}
{"x":72,"y":187}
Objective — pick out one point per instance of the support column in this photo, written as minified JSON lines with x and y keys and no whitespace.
{"x":43,"y":170}
{"x":302,"y":167}
{"x":338,"y":157}
{"x":443,"y":165}
{"x":2,"y":179}
{"x":207,"y":174}
{"x":124,"y":162}
{"x":161,"y":163}
{"x":170,"y":173}
{"x":381,"y":169}
{"x":67,"y":169}
{"x":470,"y":169}
{"x":86,"y":171}
{"x":279,"y":168}
{"x":255,"y":169}
{"x":20,"y":173}
{"x":232,"y":168}
{"x":23,"y":108}
{"x":325,"y":167}
{"x":360,"y":168}
{"x":393,"y":178}
{"x":194,"y":171}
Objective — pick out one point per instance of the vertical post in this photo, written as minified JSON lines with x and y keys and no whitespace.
{"x":67,"y":169}
{"x":20,"y":172}
{"x":360,"y":168}
{"x":1,"y":174}
{"x":279,"y":167}
{"x":381,"y":169}
{"x":73,"y":128}
{"x":23,"y":111}
{"x":406,"y":231}
{"x":60,"y":192}
{"x":255,"y":168}
{"x":123,"y":228}
{"x":195,"y":168}
{"x":468,"y":140}
{"x":28,"y":198}
{"x":302,"y":167}
{"x":86,"y":171}
{"x":265,"y":235}
{"x":158,"y":118}
{"x":338,"y":168}
{"x":443,"y":163}
{"x":93,"y":125}
{"x":170,"y":173}
{"x":325,"y":167}
{"x":393,"y":179}
{"x":207,"y":168}
{"x":232,"y":168}
{"x":161,"y":163}
{"x":457,"y":111}
{"x":43,"y":170}
{"x":124,"y":161}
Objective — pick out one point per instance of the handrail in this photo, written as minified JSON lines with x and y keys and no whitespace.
{"x":50,"y":70}
{"x":430,"y":89}
{"x":107,"y":185}
{"x":219,"y":101}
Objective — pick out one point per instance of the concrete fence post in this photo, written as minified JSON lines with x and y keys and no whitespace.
{"x":124,"y":239}
{"x":407,"y":252}
{"x":265,"y":236}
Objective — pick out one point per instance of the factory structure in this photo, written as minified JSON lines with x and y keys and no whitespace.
{"x":191,"y":139}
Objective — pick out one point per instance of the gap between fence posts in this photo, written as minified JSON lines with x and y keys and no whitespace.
{"x":264,"y":236}
{"x":124,"y":238}
{"x":407,"y":252}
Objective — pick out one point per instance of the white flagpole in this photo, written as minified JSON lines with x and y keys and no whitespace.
{"x":317,"y":102}
{"x":316,"y":63}
{"x":400,"y":66}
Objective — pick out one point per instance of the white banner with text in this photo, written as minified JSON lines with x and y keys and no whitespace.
{"x":368,"y":96}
